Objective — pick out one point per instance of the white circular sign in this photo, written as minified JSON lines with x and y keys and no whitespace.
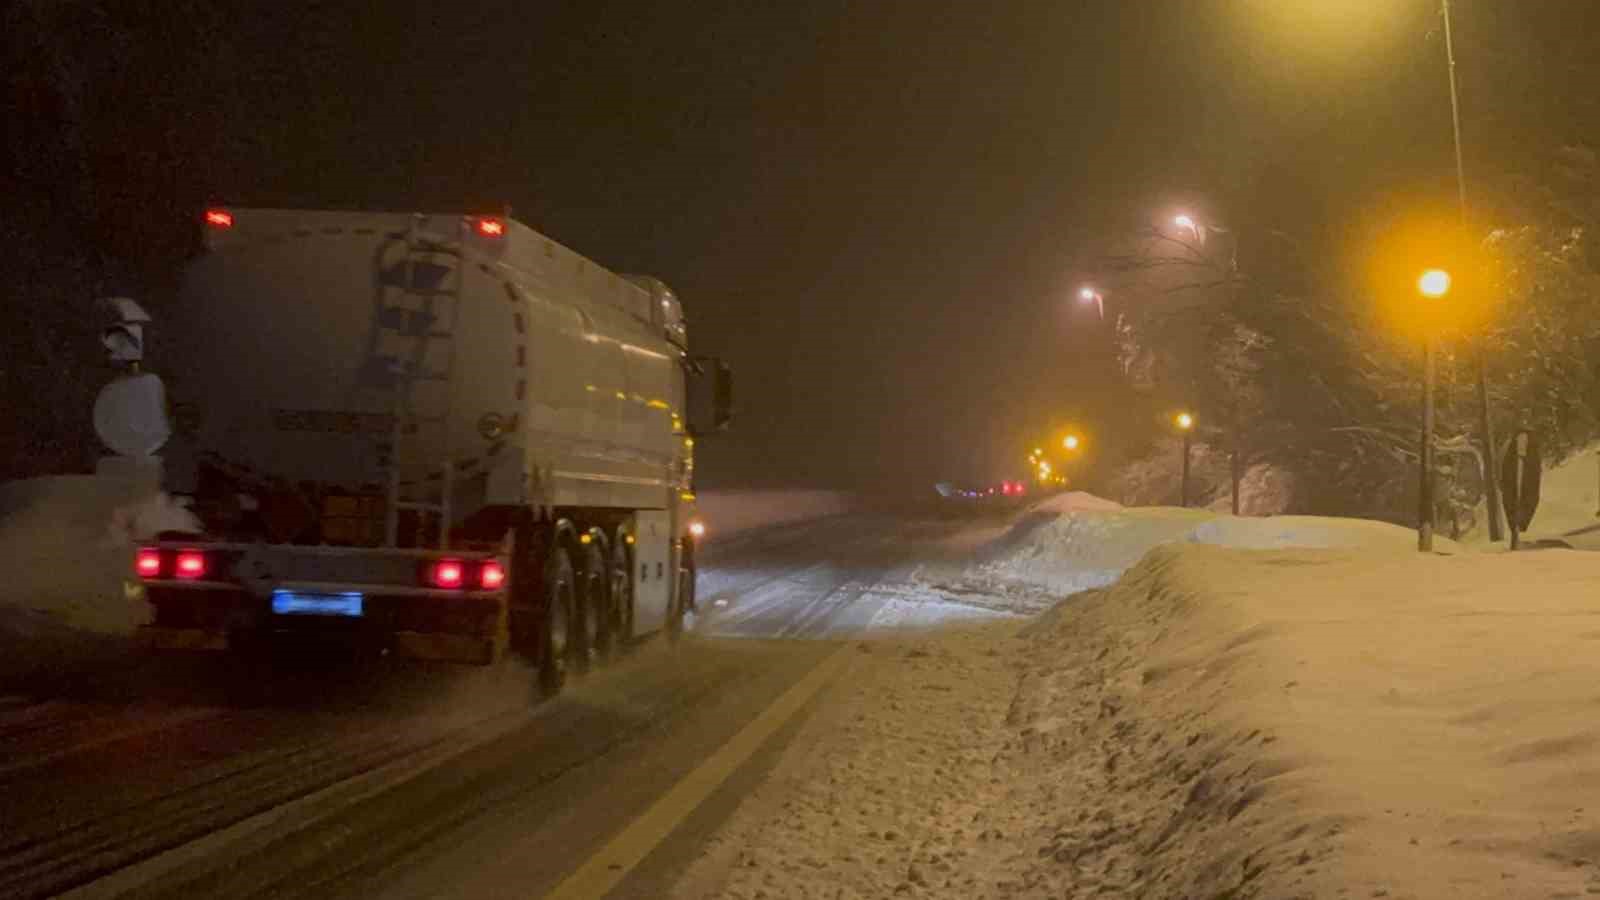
{"x":130,"y":415}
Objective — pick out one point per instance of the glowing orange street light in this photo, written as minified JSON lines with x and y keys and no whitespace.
{"x":1434,"y":283}
{"x":1071,"y":443}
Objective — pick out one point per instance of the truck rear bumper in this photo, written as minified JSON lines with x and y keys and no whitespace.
{"x":419,"y":645}
{"x":465,"y":629}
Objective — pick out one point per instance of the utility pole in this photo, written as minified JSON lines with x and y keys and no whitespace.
{"x":1425,"y":491}
{"x":1234,"y":463}
{"x":1486,"y":422}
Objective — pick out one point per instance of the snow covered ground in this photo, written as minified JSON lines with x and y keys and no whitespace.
{"x":1569,"y":503}
{"x":1354,"y":720}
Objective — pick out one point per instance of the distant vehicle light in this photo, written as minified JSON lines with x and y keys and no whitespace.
{"x":191,"y":565}
{"x":491,"y":227}
{"x":148,"y":563}
{"x":448,"y":573}
{"x":219,"y":218}
{"x":698,"y":529}
{"x":492,"y":576}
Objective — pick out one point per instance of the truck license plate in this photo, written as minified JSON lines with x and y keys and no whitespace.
{"x":294,"y":603}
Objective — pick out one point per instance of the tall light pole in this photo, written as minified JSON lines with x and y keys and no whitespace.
{"x":1433,"y":284}
{"x":1185,"y":423}
{"x":1235,"y":463}
{"x":1486,"y":422}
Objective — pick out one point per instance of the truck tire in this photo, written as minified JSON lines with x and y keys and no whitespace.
{"x":594,"y":607}
{"x":557,"y":647}
{"x":682,"y":601}
{"x":621,"y":578}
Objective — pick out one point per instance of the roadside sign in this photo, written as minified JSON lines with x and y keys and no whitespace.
{"x":1520,"y":472}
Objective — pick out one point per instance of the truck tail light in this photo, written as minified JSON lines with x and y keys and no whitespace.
{"x":191,"y":564}
{"x":148,"y":563}
{"x":219,"y":218}
{"x":489,"y":227}
{"x":492,"y":577}
{"x":447,"y":573}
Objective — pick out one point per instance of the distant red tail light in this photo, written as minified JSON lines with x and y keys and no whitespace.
{"x":219,"y":218}
{"x":191,"y":564}
{"x":492,"y":576}
{"x":492,"y":227}
{"x":148,"y":563}
{"x":448,"y":573}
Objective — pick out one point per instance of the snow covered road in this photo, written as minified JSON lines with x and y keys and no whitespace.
{"x":212,"y":777}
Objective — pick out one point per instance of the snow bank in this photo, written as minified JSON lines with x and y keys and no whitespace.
{"x":1075,"y":543}
{"x":1221,"y":723}
{"x":1569,"y":498}
{"x":727,"y":513}
{"x":1076,"y":501}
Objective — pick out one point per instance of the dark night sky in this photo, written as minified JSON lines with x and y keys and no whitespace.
{"x":871,"y":209}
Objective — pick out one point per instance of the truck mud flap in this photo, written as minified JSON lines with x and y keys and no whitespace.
{"x":155,"y":637}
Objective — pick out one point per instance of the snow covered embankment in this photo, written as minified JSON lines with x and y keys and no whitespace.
{"x":1075,"y":542}
{"x":1220,"y":723}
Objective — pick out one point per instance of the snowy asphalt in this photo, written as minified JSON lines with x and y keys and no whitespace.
{"x":213,"y":778}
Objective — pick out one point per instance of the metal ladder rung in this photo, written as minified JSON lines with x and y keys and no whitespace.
{"x":415,"y":504}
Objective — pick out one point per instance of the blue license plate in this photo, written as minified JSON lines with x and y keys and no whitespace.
{"x":294,"y":603}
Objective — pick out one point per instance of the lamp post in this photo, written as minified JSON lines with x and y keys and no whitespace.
{"x":1235,"y":464}
{"x":1185,"y":423}
{"x":1485,"y":423}
{"x":1433,"y":284}
{"x":1088,"y":294}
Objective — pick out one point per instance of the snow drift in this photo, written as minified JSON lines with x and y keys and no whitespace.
{"x":1075,"y":542}
{"x":1219,"y":723}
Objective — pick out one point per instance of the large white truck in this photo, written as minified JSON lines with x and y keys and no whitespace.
{"x":442,"y":436}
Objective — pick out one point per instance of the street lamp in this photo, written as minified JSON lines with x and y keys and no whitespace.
{"x":1433,"y":284}
{"x":1485,"y":422}
{"x":1088,"y":294}
{"x":1235,"y":462}
{"x":1071,"y":442}
{"x":1185,"y":423}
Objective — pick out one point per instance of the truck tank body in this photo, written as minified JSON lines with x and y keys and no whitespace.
{"x":555,"y":382}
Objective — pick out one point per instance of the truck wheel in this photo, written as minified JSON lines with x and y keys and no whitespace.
{"x":682,"y":601}
{"x":557,"y":646}
{"x":621,"y":594}
{"x":595,"y":607}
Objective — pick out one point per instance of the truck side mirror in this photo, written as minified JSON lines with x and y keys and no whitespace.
{"x":710,"y":395}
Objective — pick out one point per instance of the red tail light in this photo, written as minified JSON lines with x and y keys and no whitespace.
{"x":491,"y":228}
{"x":191,"y":564}
{"x":148,"y":563}
{"x":492,"y":576}
{"x":219,"y":218}
{"x":448,"y":573}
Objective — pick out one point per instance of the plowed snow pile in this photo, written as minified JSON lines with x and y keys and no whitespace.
{"x":1075,"y":542}
{"x":1220,"y":723}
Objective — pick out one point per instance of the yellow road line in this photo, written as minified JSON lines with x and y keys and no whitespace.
{"x":605,"y":869}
